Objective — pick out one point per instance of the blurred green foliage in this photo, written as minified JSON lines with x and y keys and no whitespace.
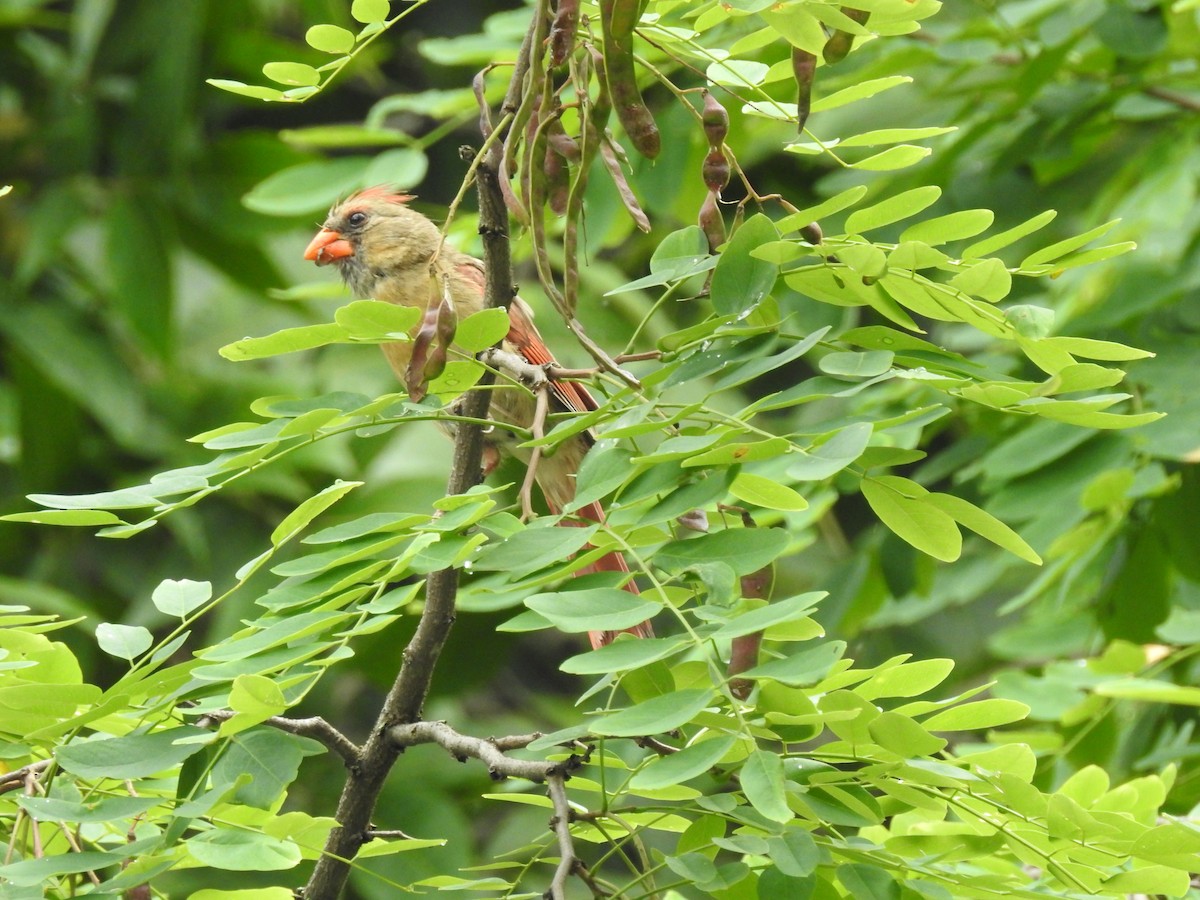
{"x":155,"y":219}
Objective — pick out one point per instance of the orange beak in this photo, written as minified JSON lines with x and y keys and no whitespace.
{"x":328,"y":246}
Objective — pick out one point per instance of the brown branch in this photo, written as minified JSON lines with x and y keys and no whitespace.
{"x":313,"y":727}
{"x":568,"y":862}
{"x":15,"y":780}
{"x":407,"y":695}
{"x":490,"y":751}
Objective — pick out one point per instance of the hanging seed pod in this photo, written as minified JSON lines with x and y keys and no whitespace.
{"x":415,"y":379}
{"x":715,"y":119}
{"x":804,"y":67}
{"x":715,"y":170}
{"x":711,"y":222}
{"x":558,"y":180}
{"x":840,"y":42}
{"x":562,"y":32}
{"x":617,"y":21}
{"x":447,"y":321}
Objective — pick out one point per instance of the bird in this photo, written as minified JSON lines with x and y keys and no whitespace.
{"x":386,"y":250}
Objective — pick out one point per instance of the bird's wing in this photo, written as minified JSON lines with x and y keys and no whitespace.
{"x":524,"y":337}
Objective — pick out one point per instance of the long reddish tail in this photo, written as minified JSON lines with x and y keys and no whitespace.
{"x":610,"y":562}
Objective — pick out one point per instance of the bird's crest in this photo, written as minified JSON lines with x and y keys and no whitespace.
{"x":384,"y":192}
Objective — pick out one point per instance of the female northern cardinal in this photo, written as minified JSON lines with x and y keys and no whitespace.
{"x":383,"y":250}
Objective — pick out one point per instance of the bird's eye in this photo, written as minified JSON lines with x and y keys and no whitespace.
{"x":356,"y":219}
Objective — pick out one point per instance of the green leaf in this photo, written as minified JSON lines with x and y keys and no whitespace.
{"x":739,"y":281}
{"x":255,"y":698}
{"x":859,"y":91}
{"x":376,"y":320}
{"x":1090,"y":348}
{"x":988,"y":246}
{"x":532,"y":548}
{"x":330,"y":39}
{"x":289,"y":340}
{"x":178,"y":598}
{"x":235,"y":850}
{"x":597,"y":609}
{"x":108,"y":809}
{"x":985,"y":525}
{"x":258,"y":893}
{"x":292,"y":73}
{"x":856,"y":364}
{"x":1150,"y":690}
{"x":258,"y":92}
{"x":132,"y":755}
{"x":763,"y":780}
{"x":298,"y":519}
{"x":308,"y":187}
{"x":123,"y":641}
{"x":745,"y":550}
{"x":654,"y":716}
{"x":892,"y":136}
{"x":835,"y":204}
{"x":899,"y":157}
{"x":893,"y":209}
{"x":1173,"y":844}
{"x":261,"y":764}
{"x":765,"y":492}
{"x":794,"y":852}
{"x":764,"y":617}
{"x":903,"y":507}
{"x":481,"y":330}
{"x":405,"y":166}
{"x":952,"y":227}
{"x":624,"y":654}
{"x":977,"y":715}
{"x":803,"y":668}
{"x":1062,"y":248}
{"x":684,"y":765}
{"x":989,"y":280}
{"x":369,"y":12}
{"x":829,"y":458}
{"x":65,"y":517}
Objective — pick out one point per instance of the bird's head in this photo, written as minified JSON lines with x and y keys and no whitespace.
{"x":371,"y":235}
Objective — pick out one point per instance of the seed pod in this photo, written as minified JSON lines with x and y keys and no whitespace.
{"x":611,"y":153}
{"x":812,"y":233}
{"x":617,"y":21}
{"x":558,"y":180}
{"x":447,"y":321}
{"x":716,"y":120}
{"x":561,"y":142}
{"x":415,"y":379}
{"x":804,"y":67}
{"x":715,"y":169}
{"x":712,"y":222}
{"x":562,"y":32}
{"x":694,"y":520}
{"x":840,"y":42}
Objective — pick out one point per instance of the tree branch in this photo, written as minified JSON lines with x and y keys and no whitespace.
{"x":15,"y":780}
{"x":313,"y":727}
{"x":407,"y":695}
{"x":487,"y":750}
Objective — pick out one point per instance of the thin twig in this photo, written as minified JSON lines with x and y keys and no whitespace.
{"x":313,"y":727}
{"x":15,"y":780}
{"x":568,"y":862}
{"x":486,"y":750}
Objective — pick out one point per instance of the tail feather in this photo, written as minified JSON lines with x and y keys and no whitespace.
{"x":611,"y":562}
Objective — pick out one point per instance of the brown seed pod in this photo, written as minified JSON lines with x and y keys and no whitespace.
{"x":617,"y":21}
{"x":804,"y":67}
{"x":558,"y":180}
{"x":715,"y":119}
{"x":562,"y":32}
{"x":840,"y":42}
{"x":415,"y":378}
{"x":715,"y":169}
{"x":712,"y":222}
